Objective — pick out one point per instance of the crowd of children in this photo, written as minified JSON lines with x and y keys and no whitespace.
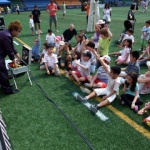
{"x":80,"y":63}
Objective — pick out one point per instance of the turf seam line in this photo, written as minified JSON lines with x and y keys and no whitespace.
{"x":64,"y":114}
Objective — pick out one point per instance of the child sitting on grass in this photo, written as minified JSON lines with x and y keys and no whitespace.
{"x":74,"y":66}
{"x":100,"y":79}
{"x":125,"y":53}
{"x":110,"y":92}
{"x":85,"y":63}
{"x":131,"y":92}
{"x":43,"y":53}
{"x":50,"y":60}
{"x":133,"y":66}
{"x":145,"y":56}
{"x":36,"y":48}
{"x":144,"y":81}
{"x":65,"y":54}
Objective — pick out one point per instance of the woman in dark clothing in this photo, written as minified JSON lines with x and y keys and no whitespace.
{"x":7,"y":49}
{"x":131,"y":16}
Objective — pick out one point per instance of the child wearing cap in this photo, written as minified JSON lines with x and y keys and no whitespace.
{"x":50,"y":37}
{"x":50,"y":60}
{"x":100,"y":79}
{"x":144,"y":81}
{"x":110,"y":92}
{"x":85,"y":63}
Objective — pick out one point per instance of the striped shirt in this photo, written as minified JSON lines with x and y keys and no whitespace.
{"x":102,"y":74}
{"x":133,"y":67}
{"x":50,"y":60}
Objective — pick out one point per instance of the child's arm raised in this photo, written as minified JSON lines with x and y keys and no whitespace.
{"x":103,"y":63}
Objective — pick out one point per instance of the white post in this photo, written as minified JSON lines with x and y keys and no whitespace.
{"x":94,"y":14}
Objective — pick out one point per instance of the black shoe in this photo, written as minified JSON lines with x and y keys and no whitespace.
{"x":94,"y":108}
{"x":12,"y":92}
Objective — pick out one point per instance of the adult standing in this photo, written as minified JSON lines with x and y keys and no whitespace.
{"x":87,"y":8}
{"x":7,"y":48}
{"x":17,"y":9}
{"x":69,"y":33}
{"x":131,"y":16}
{"x":36,"y":18}
{"x":107,"y":12}
{"x":52,"y":9}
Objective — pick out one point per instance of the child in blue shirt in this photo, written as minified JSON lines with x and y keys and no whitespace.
{"x":36,"y":48}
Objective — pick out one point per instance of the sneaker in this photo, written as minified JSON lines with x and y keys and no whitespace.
{"x":85,"y":90}
{"x":136,"y":108}
{"x":94,"y":108}
{"x":81,"y":99}
{"x":41,"y":32}
{"x":57,"y":31}
{"x":122,"y":102}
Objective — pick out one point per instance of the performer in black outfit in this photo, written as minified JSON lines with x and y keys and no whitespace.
{"x":7,"y":48}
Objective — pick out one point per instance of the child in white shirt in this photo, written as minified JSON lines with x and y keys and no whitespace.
{"x":50,"y":60}
{"x":81,"y":76}
{"x":31,"y":23}
{"x":50,"y":37}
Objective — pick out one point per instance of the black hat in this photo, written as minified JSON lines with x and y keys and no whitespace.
{"x":87,"y":53}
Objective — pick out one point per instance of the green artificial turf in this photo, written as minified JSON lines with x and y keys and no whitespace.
{"x":34,"y":123}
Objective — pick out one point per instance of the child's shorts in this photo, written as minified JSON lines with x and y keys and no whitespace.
{"x":121,"y":59}
{"x":143,"y":43}
{"x":103,"y":84}
{"x":105,"y":91}
{"x":79,"y":75}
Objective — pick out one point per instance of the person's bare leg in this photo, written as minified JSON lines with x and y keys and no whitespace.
{"x":75,"y":77}
{"x":103,"y":103}
{"x":91,"y":95}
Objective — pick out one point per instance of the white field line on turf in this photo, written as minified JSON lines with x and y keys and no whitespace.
{"x":99,"y":114}
{"x":15,"y":42}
